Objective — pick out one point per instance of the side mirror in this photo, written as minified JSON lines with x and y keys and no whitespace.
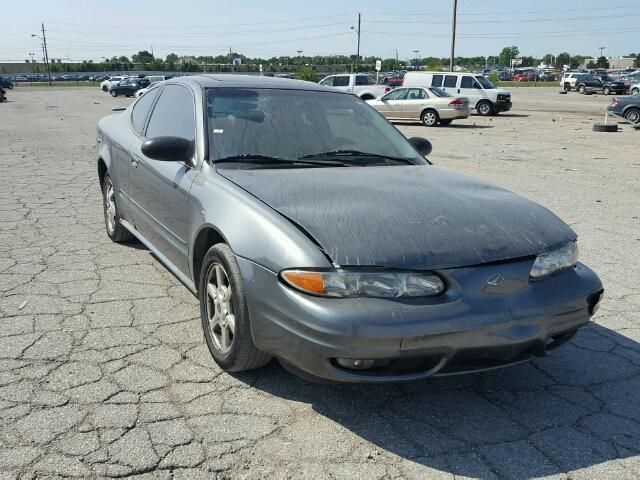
{"x":422,"y":145}
{"x":168,"y":149}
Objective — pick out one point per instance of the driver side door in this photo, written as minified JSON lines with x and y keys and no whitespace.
{"x":160,"y":190}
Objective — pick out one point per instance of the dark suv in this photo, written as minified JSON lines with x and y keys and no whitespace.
{"x":5,"y":83}
{"x":128,"y":87}
{"x":610,"y":85}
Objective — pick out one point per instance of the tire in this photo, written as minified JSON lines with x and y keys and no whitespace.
{"x":10,"y":86}
{"x":582,"y":89}
{"x":635,"y":91}
{"x":445,"y":122}
{"x":606,"y":90}
{"x":429,"y":118}
{"x":567,"y":87}
{"x":116,"y":232}
{"x":601,"y":127}
{"x":366,"y":97}
{"x":485,"y":108}
{"x":224,"y":313}
{"x":632,"y":115}
{"x":104,"y":88}
{"x":113,"y":93}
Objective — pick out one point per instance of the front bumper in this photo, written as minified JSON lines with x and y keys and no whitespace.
{"x":502,"y":106}
{"x":473,"y":326}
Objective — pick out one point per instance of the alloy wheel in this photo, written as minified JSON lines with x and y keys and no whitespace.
{"x":220,"y":314}
{"x":110,"y":207}
{"x":632,"y":116}
{"x":429,"y":119}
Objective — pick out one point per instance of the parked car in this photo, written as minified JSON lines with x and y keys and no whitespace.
{"x":362,"y":85}
{"x":587,"y":83}
{"x":482,"y":94}
{"x":151,"y":79}
{"x":106,"y":84}
{"x":6,"y":83}
{"x":610,"y":84}
{"x":504,"y":76}
{"x":521,"y":77}
{"x":144,"y":90}
{"x":128,"y":87}
{"x":313,"y":231}
{"x":568,"y":80}
{"x":427,"y":105}
{"x":626,"y":107}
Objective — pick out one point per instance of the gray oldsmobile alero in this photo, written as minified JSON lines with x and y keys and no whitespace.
{"x":313,"y":231}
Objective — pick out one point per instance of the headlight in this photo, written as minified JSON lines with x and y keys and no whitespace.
{"x":554,"y":261}
{"x":386,"y":284}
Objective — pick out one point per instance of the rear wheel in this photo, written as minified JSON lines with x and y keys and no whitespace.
{"x":115,"y":230}
{"x":635,"y":91}
{"x":582,"y":89}
{"x":606,"y":90}
{"x":485,"y":108}
{"x":429,"y":118}
{"x":632,"y":115}
{"x":224,"y":313}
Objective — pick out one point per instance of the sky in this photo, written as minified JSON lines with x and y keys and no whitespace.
{"x":79,"y":30}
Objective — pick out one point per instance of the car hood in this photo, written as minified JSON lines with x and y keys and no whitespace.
{"x":408,"y":217}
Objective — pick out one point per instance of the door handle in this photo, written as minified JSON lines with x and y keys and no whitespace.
{"x":458,"y":90}
{"x":134,"y":159}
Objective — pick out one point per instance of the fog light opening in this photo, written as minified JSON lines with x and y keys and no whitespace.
{"x":355,"y":363}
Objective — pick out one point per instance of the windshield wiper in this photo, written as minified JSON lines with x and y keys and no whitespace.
{"x":356,"y":153}
{"x":269,"y":161}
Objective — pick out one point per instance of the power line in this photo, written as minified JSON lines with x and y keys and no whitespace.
{"x":491,"y":13}
{"x":504,"y":20}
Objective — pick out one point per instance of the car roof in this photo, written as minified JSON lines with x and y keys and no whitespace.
{"x":249,"y":81}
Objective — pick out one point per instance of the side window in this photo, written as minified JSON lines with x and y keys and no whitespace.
{"x":467,"y":82}
{"x":173,"y":115}
{"x":436,"y":81}
{"x":450,"y":81}
{"x":341,"y":81}
{"x":141,"y":110}
{"x":327,"y":82}
{"x":397,"y":94}
{"x":362,"y":80}
{"x":416,"y":94}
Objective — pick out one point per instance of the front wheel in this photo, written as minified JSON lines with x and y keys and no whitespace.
{"x":606,"y":90}
{"x":635,"y":91}
{"x":485,"y":108}
{"x":115,"y":230}
{"x":445,"y":122}
{"x":429,"y":118}
{"x":224,"y":313}
{"x":632,"y":115}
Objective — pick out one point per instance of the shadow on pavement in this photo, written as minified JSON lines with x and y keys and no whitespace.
{"x":576,"y":409}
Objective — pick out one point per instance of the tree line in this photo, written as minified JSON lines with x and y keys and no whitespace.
{"x":145,"y":60}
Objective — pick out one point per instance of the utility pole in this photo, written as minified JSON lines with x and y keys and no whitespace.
{"x":33,"y":66}
{"x":601,"y":49}
{"x":357,"y":29}
{"x":453,"y":35}
{"x":46,"y":54}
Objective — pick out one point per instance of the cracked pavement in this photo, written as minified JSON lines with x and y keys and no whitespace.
{"x":104,"y":371}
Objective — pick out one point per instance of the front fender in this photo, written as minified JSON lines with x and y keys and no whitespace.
{"x":251,"y":228}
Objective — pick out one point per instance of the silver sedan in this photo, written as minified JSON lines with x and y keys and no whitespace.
{"x":427,"y":105}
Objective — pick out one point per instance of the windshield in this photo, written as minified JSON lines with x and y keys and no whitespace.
{"x":486,"y":84}
{"x":292,"y":124}
{"x":438,"y":92}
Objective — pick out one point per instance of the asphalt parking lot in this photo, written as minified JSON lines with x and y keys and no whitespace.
{"x":104,"y":370}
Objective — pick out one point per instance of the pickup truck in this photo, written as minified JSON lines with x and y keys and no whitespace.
{"x":364,"y":86}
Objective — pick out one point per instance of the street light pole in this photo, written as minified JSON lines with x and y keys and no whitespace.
{"x":357,"y":29}
{"x":453,"y":35}
{"x":46,"y":54}
{"x":299,"y":57}
{"x":417,"y":58}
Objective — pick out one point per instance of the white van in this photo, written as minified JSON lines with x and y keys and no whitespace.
{"x":482,"y":94}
